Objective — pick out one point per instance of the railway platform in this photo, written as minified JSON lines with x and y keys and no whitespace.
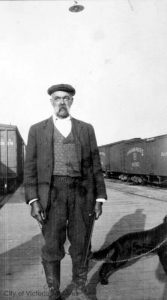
{"x":129,"y":208}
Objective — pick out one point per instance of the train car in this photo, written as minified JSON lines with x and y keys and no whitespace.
{"x":12,"y":150}
{"x":138,"y":160}
{"x":116,"y":158}
{"x":126,"y":158}
{"x":135,"y":157}
{"x":104,"y":157}
{"x":157,"y":158}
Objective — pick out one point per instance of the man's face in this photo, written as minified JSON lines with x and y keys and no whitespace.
{"x":61,"y":102}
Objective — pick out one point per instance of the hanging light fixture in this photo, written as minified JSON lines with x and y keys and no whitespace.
{"x":76,"y":7}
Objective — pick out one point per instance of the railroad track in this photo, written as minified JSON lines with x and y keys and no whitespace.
{"x":119,"y":189}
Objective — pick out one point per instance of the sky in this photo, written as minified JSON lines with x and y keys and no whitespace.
{"x":113,"y":53}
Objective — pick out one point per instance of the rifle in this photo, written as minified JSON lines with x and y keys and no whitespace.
{"x":88,"y":237}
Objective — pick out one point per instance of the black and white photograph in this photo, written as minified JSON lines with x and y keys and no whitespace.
{"x":83,"y":149}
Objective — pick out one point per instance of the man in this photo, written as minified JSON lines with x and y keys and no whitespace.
{"x":64,"y":185}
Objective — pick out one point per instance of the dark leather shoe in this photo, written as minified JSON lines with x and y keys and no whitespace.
{"x":77,"y":294}
{"x":54,"y":294}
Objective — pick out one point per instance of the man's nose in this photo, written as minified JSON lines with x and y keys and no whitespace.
{"x":62,"y":101}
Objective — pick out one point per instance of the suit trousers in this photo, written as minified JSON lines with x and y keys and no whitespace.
{"x":65,"y":216}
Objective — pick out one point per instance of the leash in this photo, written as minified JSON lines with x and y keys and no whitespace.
{"x":136,"y":257}
{"x":107,"y":260}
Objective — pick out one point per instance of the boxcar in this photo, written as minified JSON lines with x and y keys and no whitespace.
{"x":116,"y":158}
{"x":157,"y":158}
{"x":135,"y":156}
{"x":104,"y":157}
{"x":138,"y":160}
{"x":12,"y":150}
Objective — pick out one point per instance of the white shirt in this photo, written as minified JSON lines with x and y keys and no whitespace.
{"x":63,"y":125}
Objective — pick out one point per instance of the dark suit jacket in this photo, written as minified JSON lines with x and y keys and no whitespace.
{"x":39,"y":163}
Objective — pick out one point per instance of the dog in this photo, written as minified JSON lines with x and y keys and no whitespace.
{"x":131,"y":247}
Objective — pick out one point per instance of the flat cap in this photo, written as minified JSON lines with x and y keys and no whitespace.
{"x":61,"y":87}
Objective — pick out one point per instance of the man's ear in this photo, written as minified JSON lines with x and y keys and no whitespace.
{"x":51,"y":101}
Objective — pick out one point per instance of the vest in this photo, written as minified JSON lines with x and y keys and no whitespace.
{"x":66,"y":158}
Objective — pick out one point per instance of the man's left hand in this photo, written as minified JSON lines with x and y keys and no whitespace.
{"x":98,"y":209}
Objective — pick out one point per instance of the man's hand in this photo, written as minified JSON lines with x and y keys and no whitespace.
{"x":37,"y":212}
{"x":98,"y":209}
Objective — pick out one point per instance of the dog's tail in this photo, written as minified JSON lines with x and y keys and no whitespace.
{"x":101,"y":254}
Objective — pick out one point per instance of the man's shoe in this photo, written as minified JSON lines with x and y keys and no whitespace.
{"x":54,"y":294}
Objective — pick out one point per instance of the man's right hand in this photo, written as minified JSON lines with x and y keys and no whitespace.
{"x":37,"y":212}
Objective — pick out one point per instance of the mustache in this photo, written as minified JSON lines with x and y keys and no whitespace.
{"x":62,"y":106}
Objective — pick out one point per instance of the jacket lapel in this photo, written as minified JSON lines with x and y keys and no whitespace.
{"x":76,"y":128}
{"x":47,"y":132}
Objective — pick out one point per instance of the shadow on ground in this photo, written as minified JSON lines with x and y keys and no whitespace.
{"x":19,"y":258}
{"x":129,"y":223}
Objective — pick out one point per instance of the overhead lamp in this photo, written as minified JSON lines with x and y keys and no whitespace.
{"x":76,"y":7}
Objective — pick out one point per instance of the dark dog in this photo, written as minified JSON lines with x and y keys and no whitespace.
{"x":132,"y":246}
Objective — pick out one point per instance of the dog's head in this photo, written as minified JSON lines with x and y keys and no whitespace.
{"x":165,"y":219}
